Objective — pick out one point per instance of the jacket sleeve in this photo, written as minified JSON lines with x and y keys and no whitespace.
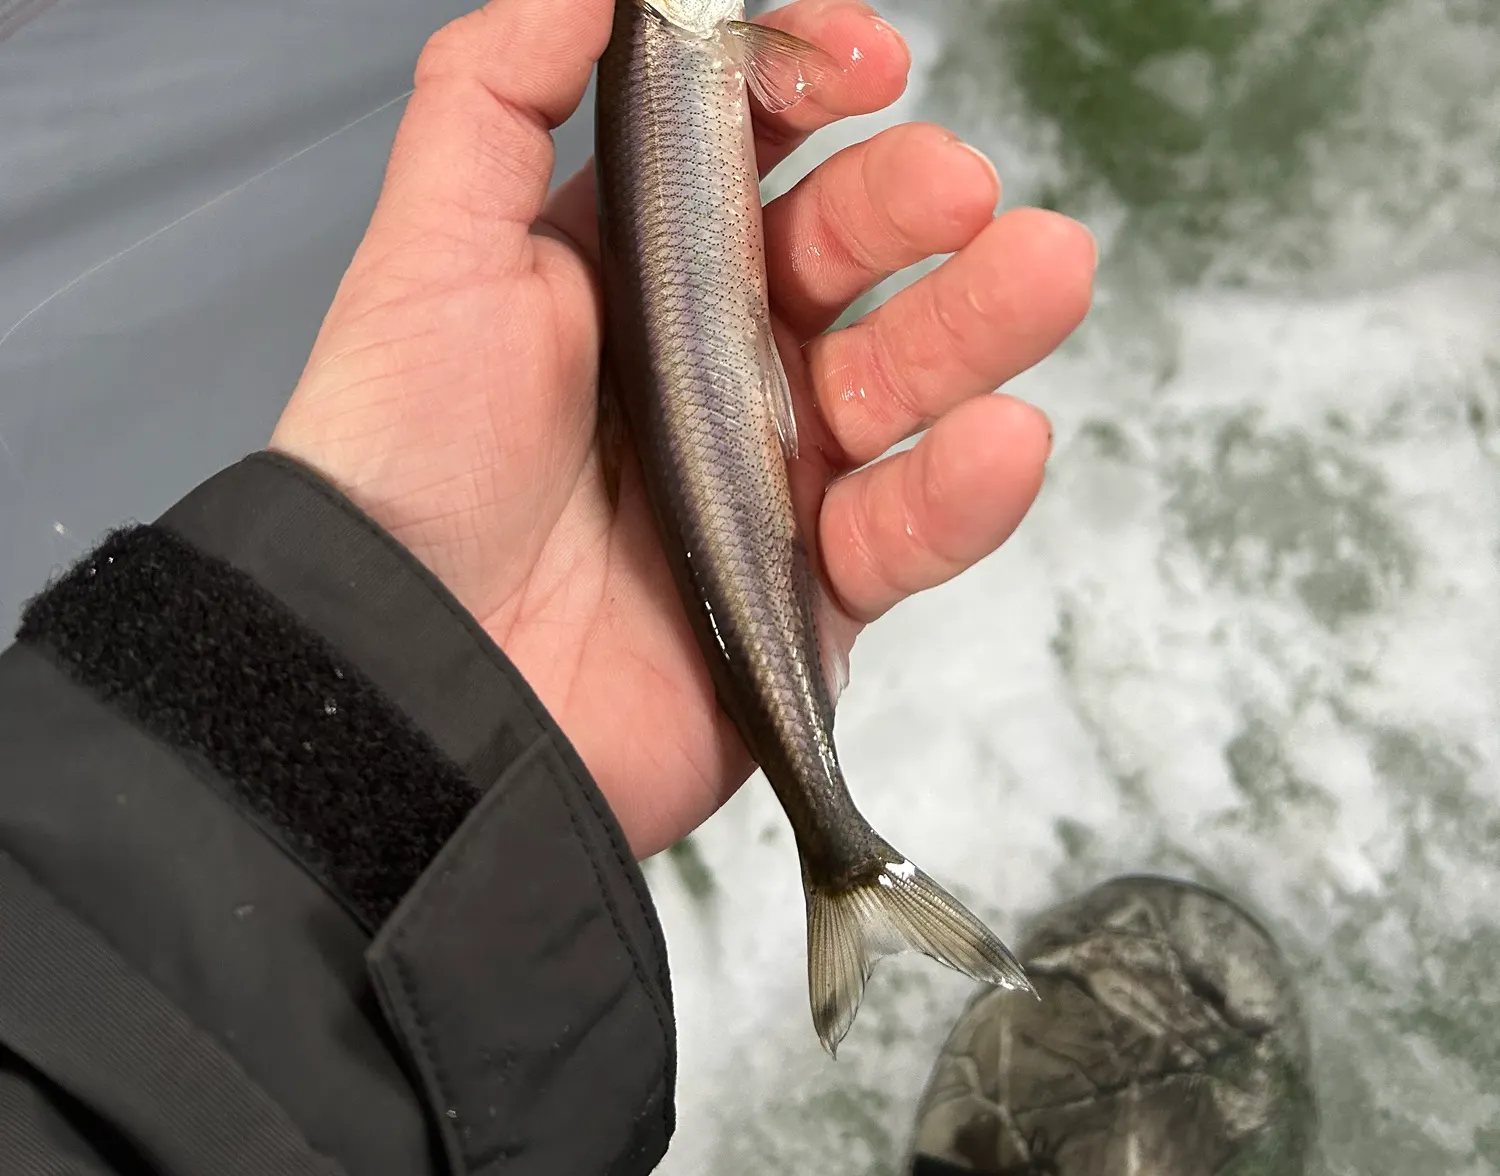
{"x":297,"y":875}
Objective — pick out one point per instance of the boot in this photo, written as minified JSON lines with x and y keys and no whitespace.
{"x":1167,"y":1041}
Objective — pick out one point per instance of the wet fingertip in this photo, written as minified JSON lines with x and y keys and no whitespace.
{"x":1045,"y":423}
{"x":986,"y":163}
{"x":868,"y":47}
{"x":936,"y":191}
{"x":1029,"y":420}
{"x":1075,"y":231}
{"x":1061,"y":250}
{"x":891,"y":35}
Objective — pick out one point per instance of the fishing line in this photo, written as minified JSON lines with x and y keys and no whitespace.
{"x":192,"y":212}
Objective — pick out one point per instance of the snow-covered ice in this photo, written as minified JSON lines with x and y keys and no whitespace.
{"x":1250,"y":633}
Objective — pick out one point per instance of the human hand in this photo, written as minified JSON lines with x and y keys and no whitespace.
{"x":451,"y":392}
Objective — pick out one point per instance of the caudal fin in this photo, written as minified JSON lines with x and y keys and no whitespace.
{"x":898,"y":908}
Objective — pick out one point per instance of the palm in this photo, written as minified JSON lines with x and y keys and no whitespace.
{"x":453,"y":389}
{"x":502,"y":495}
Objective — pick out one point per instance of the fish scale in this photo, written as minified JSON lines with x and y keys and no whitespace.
{"x":694,"y":363}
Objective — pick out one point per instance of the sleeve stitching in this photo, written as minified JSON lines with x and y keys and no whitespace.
{"x":488,"y":648}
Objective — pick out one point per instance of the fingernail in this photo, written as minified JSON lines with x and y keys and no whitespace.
{"x":983,"y":158}
{"x":1046,"y":421}
{"x":892,"y":32}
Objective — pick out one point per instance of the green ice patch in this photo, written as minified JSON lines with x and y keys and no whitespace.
{"x":1273,"y":507}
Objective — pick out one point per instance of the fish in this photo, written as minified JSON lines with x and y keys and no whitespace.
{"x":694,"y":379}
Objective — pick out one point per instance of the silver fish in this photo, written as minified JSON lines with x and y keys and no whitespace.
{"x":706,"y":400}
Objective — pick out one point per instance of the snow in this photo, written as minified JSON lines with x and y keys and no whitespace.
{"x":1248,"y":635}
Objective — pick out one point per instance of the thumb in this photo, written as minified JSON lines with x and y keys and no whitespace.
{"x":473,"y":155}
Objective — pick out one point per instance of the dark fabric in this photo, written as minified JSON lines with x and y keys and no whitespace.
{"x":348,"y":580}
{"x":202,"y":657}
{"x":75,"y":1011}
{"x":520,"y":1017}
{"x":595,"y":1020}
{"x":931,"y":1166}
{"x":44,"y":1131}
{"x":140,"y":842}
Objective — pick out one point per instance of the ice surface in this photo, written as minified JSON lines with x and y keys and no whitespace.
{"x":1250,"y":633}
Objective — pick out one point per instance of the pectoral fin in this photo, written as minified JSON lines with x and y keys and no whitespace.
{"x":778,"y":391}
{"x":781,"y":69}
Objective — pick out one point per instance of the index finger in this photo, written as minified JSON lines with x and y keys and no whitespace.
{"x":874,"y":62}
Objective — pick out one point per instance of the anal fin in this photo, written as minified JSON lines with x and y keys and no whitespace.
{"x":776,"y":387}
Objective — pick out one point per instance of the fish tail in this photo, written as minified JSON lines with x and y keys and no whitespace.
{"x":893,"y":907}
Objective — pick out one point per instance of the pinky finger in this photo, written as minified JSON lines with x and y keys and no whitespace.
{"x":921,"y":516}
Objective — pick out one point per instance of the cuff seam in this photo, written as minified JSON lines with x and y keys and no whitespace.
{"x":575,"y":770}
{"x":404,"y":923}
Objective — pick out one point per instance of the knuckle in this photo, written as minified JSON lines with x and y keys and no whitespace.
{"x":961,"y":320}
{"x":447,"y":51}
{"x":903,"y":410}
{"x":870,"y":590}
{"x":930,"y":499}
{"x":897,"y":226}
{"x":834,"y":223}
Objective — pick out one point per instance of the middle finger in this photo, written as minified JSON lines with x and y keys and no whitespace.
{"x":873,"y":209}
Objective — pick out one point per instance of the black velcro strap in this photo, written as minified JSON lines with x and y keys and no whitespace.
{"x":202,"y":657}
